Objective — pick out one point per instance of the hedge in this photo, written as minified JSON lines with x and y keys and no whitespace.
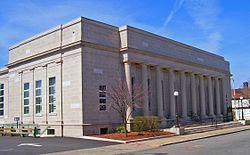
{"x":145,"y":123}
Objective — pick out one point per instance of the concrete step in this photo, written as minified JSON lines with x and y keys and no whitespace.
{"x":205,"y":128}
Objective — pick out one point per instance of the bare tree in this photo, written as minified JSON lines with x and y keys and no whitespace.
{"x":123,"y":101}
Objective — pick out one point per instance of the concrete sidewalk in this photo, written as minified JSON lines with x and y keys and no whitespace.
{"x":150,"y":144}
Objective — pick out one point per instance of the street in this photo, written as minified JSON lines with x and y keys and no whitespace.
{"x":231,"y":144}
{"x":29,"y":145}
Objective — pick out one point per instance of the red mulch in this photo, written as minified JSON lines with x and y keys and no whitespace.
{"x":133,"y":135}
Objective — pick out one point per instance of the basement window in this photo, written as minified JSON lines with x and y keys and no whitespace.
{"x":103,"y":131}
{"x":50,"y":131}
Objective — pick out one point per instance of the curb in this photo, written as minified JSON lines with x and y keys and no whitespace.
{"x":103,"y":139}
{"x":209,"y":136}
{"x":126,"y":142}
{"x":150,"y":138}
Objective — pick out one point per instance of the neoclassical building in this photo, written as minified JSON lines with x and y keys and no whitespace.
{"x":59,"y":79}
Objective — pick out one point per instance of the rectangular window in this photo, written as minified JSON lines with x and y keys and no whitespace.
{"x":102,"y":97}
{"x":52,"y":94}
{"x":38,"y":97}
{"x":103,"y":131}
{"x":133,"y":89}
{"x":26,"y":96}
{"x":163,"y":93}
{"x":50,"y":131}
{"x":1,"y":99}
{"x":149,"y":95}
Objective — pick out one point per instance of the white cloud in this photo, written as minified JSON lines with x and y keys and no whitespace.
{"x":205,"y":15}
{"x":177,"y":5}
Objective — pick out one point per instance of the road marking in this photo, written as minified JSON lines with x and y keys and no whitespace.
{"x":5,"y":150}
{"x":29,"y":144}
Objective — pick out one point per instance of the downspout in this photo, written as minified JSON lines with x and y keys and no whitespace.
{"x":34,"y":98}
{"x":21,"y":97}
{"x":61,"y":68}
{"x":46,"y":94}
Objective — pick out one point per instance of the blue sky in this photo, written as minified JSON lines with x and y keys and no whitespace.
{"x":218,"y":26}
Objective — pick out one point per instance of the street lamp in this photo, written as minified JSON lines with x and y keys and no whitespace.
{"x":242,"y":111}
{"x":176,"y":94}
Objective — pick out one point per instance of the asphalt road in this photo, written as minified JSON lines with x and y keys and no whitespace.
{"x":232,"y":144}
{"x":28,"y":145}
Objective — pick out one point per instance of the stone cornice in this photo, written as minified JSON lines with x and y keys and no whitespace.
{"x":50,"y":31}
{"x":143,"y":32}
{"x":4,"y":70}
{"x":172,"y":59}
{"x":74,"y":44}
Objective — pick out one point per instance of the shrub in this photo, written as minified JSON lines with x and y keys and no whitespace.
{"x":120,"y":129}
{"x":144,"y":123}
{"x":247,"y":122}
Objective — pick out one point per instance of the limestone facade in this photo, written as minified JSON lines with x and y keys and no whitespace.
{"x":84,"y":56}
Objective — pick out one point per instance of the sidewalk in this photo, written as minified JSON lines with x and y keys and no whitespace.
{"x":150,"y":144}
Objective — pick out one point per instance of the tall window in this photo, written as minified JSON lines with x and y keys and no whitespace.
{"x":133,"y":90}
{"x":163,"y":93}
{"x":102,"y":97}
{"x":149,"y":95}
{"x":26,"y":98}
{"x":38,"y":96}
{"x":1,"y":99}
{"x":52,"y":94}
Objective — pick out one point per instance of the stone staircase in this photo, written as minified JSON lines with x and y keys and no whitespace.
{"x":205,"y":128}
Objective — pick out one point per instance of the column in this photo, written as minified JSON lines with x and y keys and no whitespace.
{"x":145,"y":89}
{"x":193,"y":95}
{"x":159,"y":92}
{"x":210,"y":97}
{"x":225,"y":96}
{"x":127,"y":67}
{"x":171,"y":95}
{"x":217,"y":89}
{"x":202,"y":97}
{"x":183,"y":95}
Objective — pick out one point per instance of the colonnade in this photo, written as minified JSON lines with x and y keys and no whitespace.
{"x":213,"y":92}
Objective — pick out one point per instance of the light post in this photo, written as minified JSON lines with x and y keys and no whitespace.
{"x":242,"y":111}
{"x":176,"y":94}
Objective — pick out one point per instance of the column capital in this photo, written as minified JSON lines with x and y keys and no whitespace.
{"x":184,"y":71}
{"x":216,"y":77}
{"x":219,"y":76}
{"x":192,"y":73}
{"x":144,"y":64}
{"x":201,"y":75}
{"x":210,"y":76}
{"x":127,"y":62}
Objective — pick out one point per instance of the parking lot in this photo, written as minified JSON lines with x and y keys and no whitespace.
{"x":29,"y":145}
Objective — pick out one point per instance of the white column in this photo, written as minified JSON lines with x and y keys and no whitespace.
{"x":193,"y":95}
{"x":210,"y":97}
{"x":217,"y":89}
{"x":159,"y":92}
{"x":145,"y":89}
{"x":202,"y":97}
{"x":183,"y":95}
{"x":127,"y":67}
{"x":171,"y":95}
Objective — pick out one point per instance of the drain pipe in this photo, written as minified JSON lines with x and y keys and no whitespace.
{"x":61,"y":71}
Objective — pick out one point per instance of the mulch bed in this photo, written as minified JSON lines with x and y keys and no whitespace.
{"x":134,"y":135}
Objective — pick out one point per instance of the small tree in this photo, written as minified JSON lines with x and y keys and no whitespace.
{"x":124,"y":101}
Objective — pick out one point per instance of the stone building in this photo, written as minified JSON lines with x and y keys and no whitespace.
{"x":55,"y":79}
